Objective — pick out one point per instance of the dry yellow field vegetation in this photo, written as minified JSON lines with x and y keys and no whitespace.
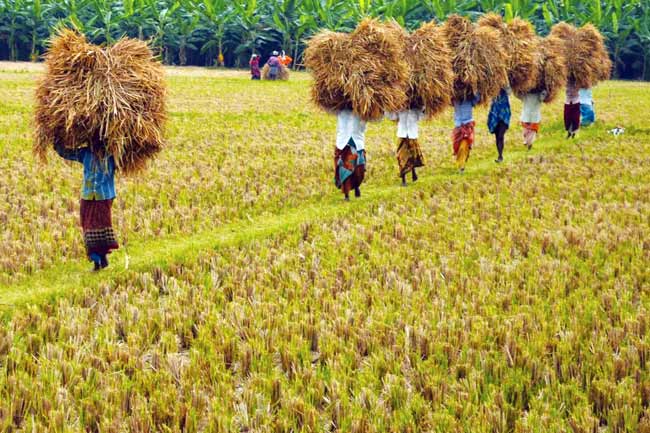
{"x":248,"y":297}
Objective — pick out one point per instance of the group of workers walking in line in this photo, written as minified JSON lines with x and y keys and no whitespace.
{"x":98,"y":190}
{"x":350,"y":152}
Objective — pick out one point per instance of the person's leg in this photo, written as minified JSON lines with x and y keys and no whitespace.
{"x":500,"y":135}
{"x":531,"y":139}
{"x":97,"y":261}
{"x":463,"y":154}
{"x":567,"y":120}
{"x":359,"y":172}
{"x":575,"y":118}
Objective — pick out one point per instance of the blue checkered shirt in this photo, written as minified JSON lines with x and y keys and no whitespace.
{"x":99,"y":174}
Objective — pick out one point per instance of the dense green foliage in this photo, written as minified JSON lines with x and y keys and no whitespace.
{"x":194,"y":32}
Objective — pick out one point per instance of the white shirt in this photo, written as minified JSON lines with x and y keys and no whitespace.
{"x":532,"y":111}
{"x":407,"y":122}
{"x":350,"y":126}
{"x":586,"y":97}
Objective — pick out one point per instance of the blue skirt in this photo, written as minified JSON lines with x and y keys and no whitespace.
{"x":587,"y":114}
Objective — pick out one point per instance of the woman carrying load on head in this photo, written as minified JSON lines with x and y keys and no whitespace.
{"x":409,"y":155}
{"x":97,"y":195}
{"x":254,"y":63}
{"x":587,"y":112}
{"x":349,"y":153}
{"x":572,"y":109}
{"x":274,"y":66}
{"x":531,"y":116}
{"x":285,"y":60}
{"x":463,"y":135}
{"x":499,"y":120}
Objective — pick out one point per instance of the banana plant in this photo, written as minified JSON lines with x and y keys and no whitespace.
{"x":251,"y":22}
{"x":217,"y":16}
{"x":13,"y":25}
{"x":162,"y":18}
{"x":181,"y":38}
{"x":642,"y":28}
{"x":35,"y":23}
{"x":105,"y":21}
{"x":441,"y":9}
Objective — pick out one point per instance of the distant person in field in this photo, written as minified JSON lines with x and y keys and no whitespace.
{"x":274,"y":66}
{"x":572,"y":109}
{"x":285,"y":60}
{"x":349,"y":154}
{"x":409,"y":154}
{"x":254,"y":63}
{"x":499,"y":120}
{"x":531,"y":116}
{"x":463,"y":135}
{"x":97,"y":195}
{"x":587,"y":111}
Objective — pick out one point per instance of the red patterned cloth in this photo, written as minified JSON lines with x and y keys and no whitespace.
{"x":97,"y":226}
{"x":349,"y":168}
{"x":464,"y":132}
{"x":531,"y":126}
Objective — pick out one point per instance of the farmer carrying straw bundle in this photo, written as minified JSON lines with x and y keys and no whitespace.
{"x":254,"y":63}
{"x":519,"y":44}
{"x":480,"y":73}
{"x":429,"y":92}
{"x":104,"y":108}
{"x":588,"y":63}
{"x":551,"y":77}
{"x":274,"y":69}
{"x":359,"y":77}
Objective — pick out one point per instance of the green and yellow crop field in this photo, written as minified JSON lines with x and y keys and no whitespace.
{"x":248,"y":297}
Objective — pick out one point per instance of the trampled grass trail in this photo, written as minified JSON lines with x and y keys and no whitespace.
{"x":58,"y":280}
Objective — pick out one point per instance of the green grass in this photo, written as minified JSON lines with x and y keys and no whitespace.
{"x":514,"y":298}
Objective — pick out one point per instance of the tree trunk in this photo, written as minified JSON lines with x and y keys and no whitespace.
{"x":12,"y":46}
{"x":295,"y":55}
{"x":182,"y":54}
{"x":34,"y":54}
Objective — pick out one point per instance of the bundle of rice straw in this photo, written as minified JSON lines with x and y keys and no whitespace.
{"x":552,"y":68}
{"x":282,"y":75}
{"x":113,"y":96}
{"x":480,"y":67}
{"x":432,"y":75}
{"x":378,"y":71}
{"x":519,"y":41}
{"x":587,"y":58}
{"x":326,"y":56}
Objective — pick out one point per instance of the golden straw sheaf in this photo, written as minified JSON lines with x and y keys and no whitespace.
{"x":364,"y":71}
{"x":326,"y":56}
{"x":111,"y":97}
{"x":479,"y":68}
{"x":587,"y":58}
{"x":283,"y":73}
{"x":520,"y":43}
{"x":432,"y":75}
{"x":551,"y":64}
